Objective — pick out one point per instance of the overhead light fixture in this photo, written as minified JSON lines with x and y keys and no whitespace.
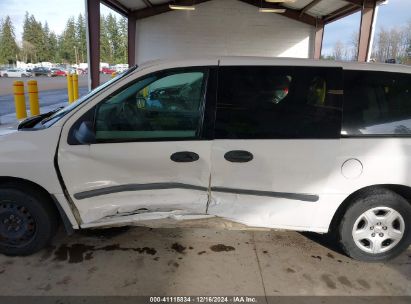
{"x":271,"y":10}
{"x":181,"y":7}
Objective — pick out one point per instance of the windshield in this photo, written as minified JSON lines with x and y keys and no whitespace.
{"x":59,"y":114}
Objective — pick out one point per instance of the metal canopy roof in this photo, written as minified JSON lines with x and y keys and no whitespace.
{"x":307,"y":11}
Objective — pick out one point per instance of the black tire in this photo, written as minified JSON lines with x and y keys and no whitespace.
{"x":5,"y":75}
{"x":38,"y":220}
{"x":378,"y":197}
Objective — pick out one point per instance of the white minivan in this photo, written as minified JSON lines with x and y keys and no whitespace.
{"x":279,"y":143}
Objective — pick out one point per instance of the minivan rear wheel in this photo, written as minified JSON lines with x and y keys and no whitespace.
{"x":27,"y":220}
{"x":376,"y":226}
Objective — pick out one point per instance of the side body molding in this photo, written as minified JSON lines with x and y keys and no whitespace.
{"x":165,"y":186}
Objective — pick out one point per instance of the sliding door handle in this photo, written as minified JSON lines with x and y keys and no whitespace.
{"x":239,"y":156}
{"x":184,"y":157}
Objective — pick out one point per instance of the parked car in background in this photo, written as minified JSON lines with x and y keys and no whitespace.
{"x":81,"y":71}
{"x":305,"y":145}
{"x":120,"y":68}
{"x":108,"y":71}
{"x":58,"y":72}
{"x":71,"y":71}
{"x":15,"y":73}
{"x":42,"y":71}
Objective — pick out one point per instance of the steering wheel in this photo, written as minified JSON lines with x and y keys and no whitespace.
{"x":126,"y":117}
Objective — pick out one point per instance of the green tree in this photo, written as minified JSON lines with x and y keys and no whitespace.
{"x":28,"y":49}
{"x":1,"y":31}
{"x":123,"y":50}
{"x":114,"y":37}
{"x":8,"y":46}
{"x":105,"y":46}
{"x":68,"y":42}
{"x":81,"y":38}
{"x":53,"y":47}
{"x":44,"y":47}
{"x":35,"y":47}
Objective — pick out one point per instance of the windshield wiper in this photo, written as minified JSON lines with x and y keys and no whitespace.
{"x":47,"y":116}
{"x":32,"y":121}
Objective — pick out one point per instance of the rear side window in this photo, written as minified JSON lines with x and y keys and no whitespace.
{"x":278,"y":102}
{"x":376,"y":103}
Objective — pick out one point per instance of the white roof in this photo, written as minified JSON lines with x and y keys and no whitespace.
{"x":320,"y":9}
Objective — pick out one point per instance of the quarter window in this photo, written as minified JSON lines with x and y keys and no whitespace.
{"x":161,"y":106}
{"x":376,"y":103}
{"x":278,"y":102}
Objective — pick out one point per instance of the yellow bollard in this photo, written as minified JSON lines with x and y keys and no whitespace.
{"x":33,"y":97}
{"x":70,"y":88}
{"x":114,"y":74}
{"x":19,"y":99}
{"x":75,"y":87}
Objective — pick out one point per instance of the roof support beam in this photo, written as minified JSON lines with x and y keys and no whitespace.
{"x":341,"y":13}
{"x":358,"y":3}
{"x":148,"y":3}
{"x":309,"y":6}
{"x":353,"y":7}
{"x":116,"y":6}
{"x":93,"y":42}
{"x":290,"y":13}
{"x":131,"y":36}
{"x":319,"y":37}
{"x":367,"y":22}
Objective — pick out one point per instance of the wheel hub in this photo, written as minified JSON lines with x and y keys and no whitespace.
{"x":17,"y":226}
{"x":378,"y":230}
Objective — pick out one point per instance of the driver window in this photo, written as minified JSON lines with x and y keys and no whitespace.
{"x":163,"y":106}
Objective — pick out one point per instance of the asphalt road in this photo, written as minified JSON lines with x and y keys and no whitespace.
{"x":46,"y":98}
{"x":44,"y":83}
{"x":51,"y":91}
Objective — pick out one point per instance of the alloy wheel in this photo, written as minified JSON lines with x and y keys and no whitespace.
{"x":378,"y":230}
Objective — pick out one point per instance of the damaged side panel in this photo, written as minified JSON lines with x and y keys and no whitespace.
{"x":278,"y":188}
{"x":145,"y":204}
{"x":114,"y":180}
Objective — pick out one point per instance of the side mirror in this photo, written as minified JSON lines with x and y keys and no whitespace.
{"x":85,"y":134}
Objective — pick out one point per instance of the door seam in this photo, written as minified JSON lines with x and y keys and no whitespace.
{"x":208,"y":194}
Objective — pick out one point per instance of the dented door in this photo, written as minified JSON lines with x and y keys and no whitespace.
{"x":276,"y":144}
{"x":149,"y":158}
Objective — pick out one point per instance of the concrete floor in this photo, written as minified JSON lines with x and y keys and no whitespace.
{"x":143,"y":261}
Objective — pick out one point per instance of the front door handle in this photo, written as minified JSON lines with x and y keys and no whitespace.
{"x":184,"y":157}
{"x":239,"y":156}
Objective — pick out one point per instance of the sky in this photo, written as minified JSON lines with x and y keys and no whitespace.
{"x":395,"y":13}
{"x":56,"y":12}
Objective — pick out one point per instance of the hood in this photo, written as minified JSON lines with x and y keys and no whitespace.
{"x":4,"y":130}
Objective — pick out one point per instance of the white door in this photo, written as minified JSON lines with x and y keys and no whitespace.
{"x":140,"y":151}
{"x":276,"y":144}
